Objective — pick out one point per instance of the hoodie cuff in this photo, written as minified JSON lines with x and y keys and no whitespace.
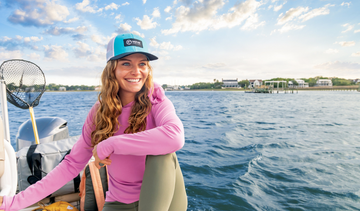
{"x":104,"y":149}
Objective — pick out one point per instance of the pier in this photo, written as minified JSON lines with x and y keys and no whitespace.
{"x":270,"y":88}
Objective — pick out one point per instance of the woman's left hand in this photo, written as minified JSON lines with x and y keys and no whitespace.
{"x":106,"y":161}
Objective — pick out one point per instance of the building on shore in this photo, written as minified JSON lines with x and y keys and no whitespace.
{"x":230,"y":83}
{"x":255,"y":83}
{"x":62,"y":89}
{"x":324,"y":82}
{"x":300,"y":84}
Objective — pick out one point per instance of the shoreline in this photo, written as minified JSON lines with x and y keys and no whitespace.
{"x":333,"y":88}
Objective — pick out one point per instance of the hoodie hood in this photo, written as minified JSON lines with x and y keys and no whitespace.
{"x":156,"y":94}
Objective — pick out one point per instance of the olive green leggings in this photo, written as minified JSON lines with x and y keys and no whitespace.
{"x":162,"y":188}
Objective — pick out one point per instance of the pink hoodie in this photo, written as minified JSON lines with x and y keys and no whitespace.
{"x":164,"y":134}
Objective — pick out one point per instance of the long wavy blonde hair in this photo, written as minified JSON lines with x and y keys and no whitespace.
{"x":110,"y":107}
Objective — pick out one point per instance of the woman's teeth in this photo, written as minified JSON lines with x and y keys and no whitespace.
{"x":133,"y":80}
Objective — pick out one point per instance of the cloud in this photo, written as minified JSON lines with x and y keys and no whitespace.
{"x":146,"y":23}
{"x":153,"y":42}
{"x":34,"y":56}
{"x":79,"y":37}
{"x":345,"y":4}
{"x":97,"y":55}
{"x":84,"y":6}
{"x":55,"y":52}
{"x":290,"y":20}
{"x":178,"y":47}
{"x":126,"y":28}
{"x":346,"y":43}
{"x":144,"y":1}
{"x":5,"y":54}
{"x":291,"y":14}
{"x":19,"y":42}
{"x":82,"y":50}
{"x":349,"y":27}
{"x":72,"y":20}
{"x":337,"y":65}
{"x":169,"y":46}
{"x":166,"y":46}
{"x":288,"y":26}
{"x":167,"y":9}
{"x":316,"y":12}
{"x":331,"y":51}
{"x":38,"y":13}
{"x":156,"y":13}
{"x":357,"y":31}
{"x":252,"y":23}
{"x":214,"y":66}
{"x":277,"y":8}
{"x":202,"y":15}
{"x":112,"y":6}
{"x":357,"y":54}
{"x":101,"y":40}
{"x":118,"y":17}
{"x":57,"y":31}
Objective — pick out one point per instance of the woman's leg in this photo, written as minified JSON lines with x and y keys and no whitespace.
{"x":163,"y":186}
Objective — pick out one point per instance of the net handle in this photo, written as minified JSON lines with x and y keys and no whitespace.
{"x":32,"y":115}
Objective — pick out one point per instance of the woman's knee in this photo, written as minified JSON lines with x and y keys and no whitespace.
{"x":161,"y":160}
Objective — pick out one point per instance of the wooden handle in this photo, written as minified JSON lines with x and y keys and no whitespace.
{"x":36,"y":135}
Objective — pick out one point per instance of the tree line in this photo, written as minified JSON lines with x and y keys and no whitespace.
{"x":245,"y":83}
{"x":55,"y":87}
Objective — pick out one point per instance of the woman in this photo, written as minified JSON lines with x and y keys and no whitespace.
{"x":133,"y":129}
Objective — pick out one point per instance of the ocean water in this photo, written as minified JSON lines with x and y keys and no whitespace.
{"x":252,"y":151}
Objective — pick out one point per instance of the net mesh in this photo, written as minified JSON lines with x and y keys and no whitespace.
{"x":25,"y":82}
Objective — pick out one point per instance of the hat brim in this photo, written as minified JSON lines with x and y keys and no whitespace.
{"x":149,"y":56}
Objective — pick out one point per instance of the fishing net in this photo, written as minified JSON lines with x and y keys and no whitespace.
{"x":25,"y":82}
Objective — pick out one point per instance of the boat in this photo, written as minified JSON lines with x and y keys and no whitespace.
{"x":52,"y":129}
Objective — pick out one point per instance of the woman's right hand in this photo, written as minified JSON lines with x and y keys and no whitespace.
{"x":106,"y":161}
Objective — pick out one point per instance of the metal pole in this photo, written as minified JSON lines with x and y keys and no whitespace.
{"x":4,"y":110}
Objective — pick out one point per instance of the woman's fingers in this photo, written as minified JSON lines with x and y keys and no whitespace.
{"x":100,"y":163}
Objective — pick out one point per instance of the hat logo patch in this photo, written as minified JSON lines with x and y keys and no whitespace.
{"x":133,"y":42}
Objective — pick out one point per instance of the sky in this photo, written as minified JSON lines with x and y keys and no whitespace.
{"x":196,"y":41}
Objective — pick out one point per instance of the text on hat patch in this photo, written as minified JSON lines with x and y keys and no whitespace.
{"x":133,"y":42}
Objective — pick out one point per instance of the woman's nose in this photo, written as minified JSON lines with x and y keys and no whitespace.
{"x":135,"y":70}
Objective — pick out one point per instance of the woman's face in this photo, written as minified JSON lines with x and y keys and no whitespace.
{"x":131,"y":73}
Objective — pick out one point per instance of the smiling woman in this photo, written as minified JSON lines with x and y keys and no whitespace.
{"x":134,"y":130}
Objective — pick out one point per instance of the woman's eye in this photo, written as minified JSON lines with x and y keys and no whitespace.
{"x":126,"y":64}
{"x":142,"y":64}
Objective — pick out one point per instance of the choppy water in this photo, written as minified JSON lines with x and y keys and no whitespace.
{"x":253,"y":151}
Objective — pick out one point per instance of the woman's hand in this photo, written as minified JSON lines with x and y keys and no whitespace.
{"x":104,"y":162}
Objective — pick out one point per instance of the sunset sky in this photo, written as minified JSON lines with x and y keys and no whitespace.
{"x":196,"y":41}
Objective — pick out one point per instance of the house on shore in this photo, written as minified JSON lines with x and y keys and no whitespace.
{"x":300,"y":84}
{"x":62,"y":89}
{"x":255,"y":83}
{"x":324,"y":82}
{"x":230,"y":83}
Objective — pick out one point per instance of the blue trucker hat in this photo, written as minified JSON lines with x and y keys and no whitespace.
{"x":126,"y":44}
